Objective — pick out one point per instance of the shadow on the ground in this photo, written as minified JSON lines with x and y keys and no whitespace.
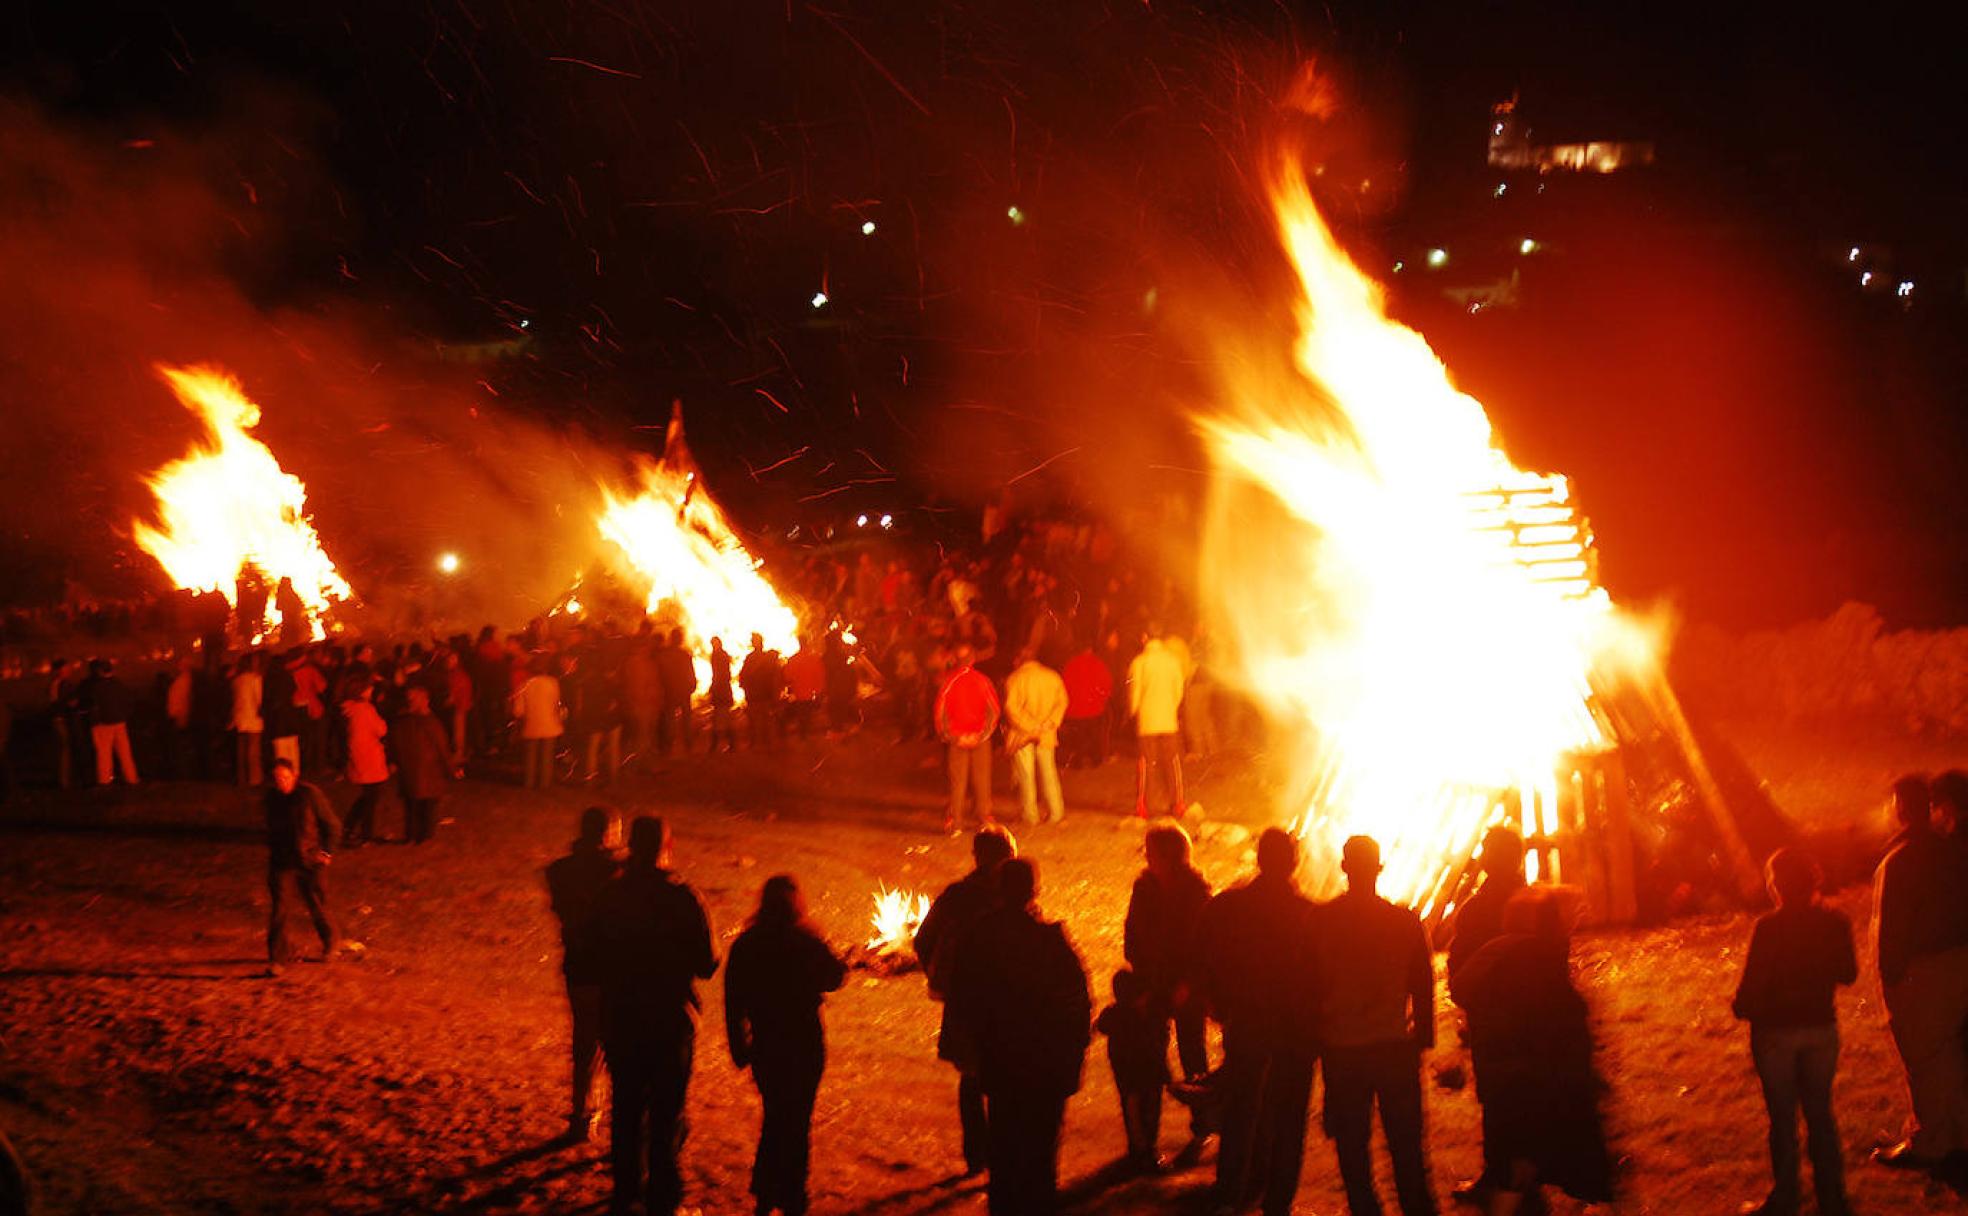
{"x":247,"y":969}
{"x":938,"y":1195}
{"x":214,"y":832}
{"x":504,"y":1183}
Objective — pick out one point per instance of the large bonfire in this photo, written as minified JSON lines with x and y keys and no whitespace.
{"x":229,"y":513}
{"x":1418,"y":613}
{"x":673,"y":542}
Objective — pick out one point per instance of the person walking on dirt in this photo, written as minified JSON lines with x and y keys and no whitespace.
{"x":966,"y":717}
{"x":1161,"y":938}
{"x":1478,"y":921}
{"x":1377,"y":1017}
{"x":1035,"y":706}
{"x":655,"y":944}
{"x":956,"y":911}
{"x":1799,"y":956}
{"x":302,"y":833}
{"x":1019,"y":992}
{"x":1923,"y":973}
{"x":575,"y":886}
{"x":1156,"y":680}
{"x":1256,"y":960}
{"x":779,"y":972}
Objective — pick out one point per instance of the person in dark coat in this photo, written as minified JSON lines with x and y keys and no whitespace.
{"x":779,"y":972}
{"x":1164,"y":920}
{"x":721,"y":697}
{"x":1799,"y":956}
{"x":654,"y":942}
{"x":575,"y":885}
{"x":1541,"y":1093}
{"x":423,"y":764}
{"x":949,"y":920}
{"x":1019,"y":992}
{"x":1137,"y":1051}
{"x":843,"y":690}
{"x":763,"y":681}
{"x":302,"y":833}
{"x":1256,"y":963}
{"x":108,"y":702}
{"x":1923,"y":976}
{"x":1477,"y":922}
{"x":676,"y":671}
{"x":1376,"y":1019}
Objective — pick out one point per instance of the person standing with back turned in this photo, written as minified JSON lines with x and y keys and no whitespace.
{"x":655,"y":942}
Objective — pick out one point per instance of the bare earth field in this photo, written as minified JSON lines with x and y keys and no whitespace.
{"x":146,"y":1065}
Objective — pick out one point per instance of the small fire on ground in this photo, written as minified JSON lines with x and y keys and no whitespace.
{"x":228,"y":513}
{"x":898,"y":914}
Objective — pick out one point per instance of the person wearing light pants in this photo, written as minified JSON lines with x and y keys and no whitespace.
{"x":1035,"y":706}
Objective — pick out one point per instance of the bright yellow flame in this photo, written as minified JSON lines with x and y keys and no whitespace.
{"x":1423,"y":620}
{"x":897,"y":915}
{"x":229,"y":507}
{"x":676,"y":543}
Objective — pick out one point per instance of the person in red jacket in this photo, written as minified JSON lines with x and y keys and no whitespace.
{"x":368,"y":761}
{"x":1089,"y":687}
{"x":966,"y":717}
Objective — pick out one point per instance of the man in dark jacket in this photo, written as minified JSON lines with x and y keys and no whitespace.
{"x":423,"y":764}
{"x":762,"y":681}
{"x":1257,"y":966}
{"x":1476,"y":923}
{"x":949,"y":920}
{"x":1020,"y":994}
{"x":676,"y":671}
{"x":1164,"y":919}
{"x":655,"y":943}
{"x":1923,"y":974}
{"x":302,"y":833}
{"x":576,"y":884}
{"x":108,"y":702}
{"x":1377,"y":1017}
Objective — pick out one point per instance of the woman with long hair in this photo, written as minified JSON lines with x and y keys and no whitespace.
{"x":779,"y":973}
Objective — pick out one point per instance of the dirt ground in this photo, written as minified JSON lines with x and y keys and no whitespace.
{"x":147,"y":1066}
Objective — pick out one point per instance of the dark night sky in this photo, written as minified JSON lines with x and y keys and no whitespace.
{"x":658,"y":190}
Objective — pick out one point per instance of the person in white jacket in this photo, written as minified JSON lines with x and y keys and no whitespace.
{"x":1156,"y":681}
{"x":1035,"y":705}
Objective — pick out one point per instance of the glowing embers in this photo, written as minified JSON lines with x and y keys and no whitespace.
{"x":230,"y":515}
{"x":1420,"y":616}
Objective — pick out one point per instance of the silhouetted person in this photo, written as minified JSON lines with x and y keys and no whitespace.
{"x":1020,"y":994}
{"x":575,"y":885}
{"x":655,"y":941}
{"x":1477,"y":922}
{"x":676,"y":671}
{"x":950,"y":919}
{"x":1541,"y":1098}
{"x":1137,"y":1051}
{"x":721,"y":697}
{"x":108,"y":703}
{"x":1377,"y":1016}
{"x":778,"y":974}
{"x":302,"y":833}
{"x":1923,"y":972}
{"x":423,"y":764}
{"x":763,"y":681}
{"x":1161,"y":938}
{"x":1257,"y":964}
{"x":1799,"y":955}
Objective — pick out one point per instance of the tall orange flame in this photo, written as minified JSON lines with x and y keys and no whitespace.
{"x":1431,"y":620}
{"x":228,"y":508}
